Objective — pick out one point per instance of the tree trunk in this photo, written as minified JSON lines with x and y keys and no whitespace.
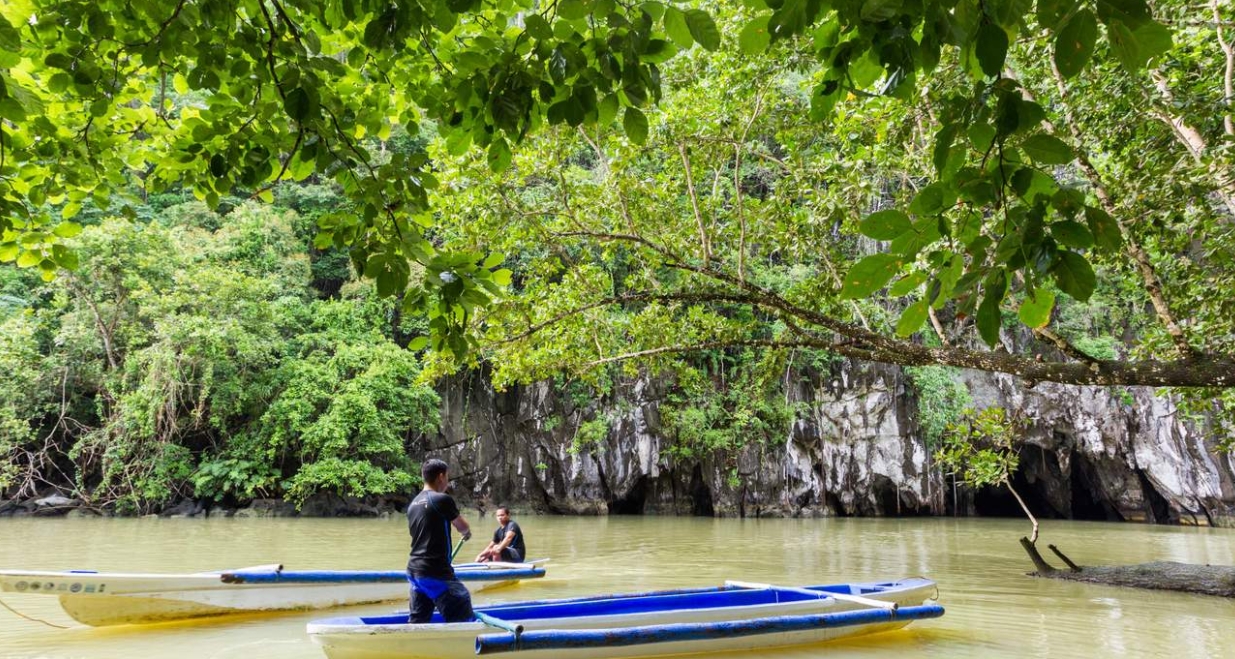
{"x":1216,"y":580}
{"x":1183,"y":577}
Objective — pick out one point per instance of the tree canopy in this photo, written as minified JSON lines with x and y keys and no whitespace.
{"x":983,"y":161}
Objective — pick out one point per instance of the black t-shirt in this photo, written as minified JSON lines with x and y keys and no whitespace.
{"x":517,"y":544}
{"x":428,"y":520}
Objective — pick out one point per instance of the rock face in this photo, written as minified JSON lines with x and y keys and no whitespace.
{"x":857,"y":449}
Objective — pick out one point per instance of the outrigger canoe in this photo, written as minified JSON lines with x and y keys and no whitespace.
{"x":738,"y":616}
{"x":101,"y":599}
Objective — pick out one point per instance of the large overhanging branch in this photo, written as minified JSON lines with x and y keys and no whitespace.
{"x":1197,"y":370}
{"x":1215,"y":372}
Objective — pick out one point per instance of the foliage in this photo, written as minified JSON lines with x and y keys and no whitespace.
{"x":705,"y":417}
{"x":590,"y":436}
{"x":189,"y":356}
{"x":982,"y":447}
{"x":346,"y":403}
{"x":745,"y":222}
{"x":942,"y":399}
{"x":24,"y":396}
{"x":985,"y":209}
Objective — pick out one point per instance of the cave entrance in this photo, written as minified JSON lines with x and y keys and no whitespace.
{"x":632,"y":503}
{"x":991,"y":501}
{"x":700,"y":495}
{"x":1157,"y":510}
{"x":1088,"y":503}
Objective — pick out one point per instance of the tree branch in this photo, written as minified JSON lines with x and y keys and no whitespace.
{"x":1216,"y":371}
{"x":694,"y":203}
{"x":1228,"y":76}
{"x":1063,"y":345}
{"x":1149,"y":277}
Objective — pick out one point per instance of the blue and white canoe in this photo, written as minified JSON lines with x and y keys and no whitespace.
{"x":100,"y":599}
{"x":738,"y":616}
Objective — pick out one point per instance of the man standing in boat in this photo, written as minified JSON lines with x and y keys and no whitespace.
{"x":507,"y":543}
{"x":429,"y":518}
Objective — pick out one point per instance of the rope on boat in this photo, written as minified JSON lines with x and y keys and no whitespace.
{"x":19,"y":614}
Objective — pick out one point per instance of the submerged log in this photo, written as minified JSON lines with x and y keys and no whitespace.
{"x":1160,"y":575}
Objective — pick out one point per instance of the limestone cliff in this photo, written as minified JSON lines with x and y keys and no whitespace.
{"x":856,"y":449}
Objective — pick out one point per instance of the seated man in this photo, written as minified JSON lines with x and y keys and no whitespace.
{"x":507,"y":542}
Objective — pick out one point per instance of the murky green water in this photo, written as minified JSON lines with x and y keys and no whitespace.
{"x":993,"y":610}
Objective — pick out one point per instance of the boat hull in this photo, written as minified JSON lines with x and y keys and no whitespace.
{"x":102,"y":599}
{"x":340,"y":639}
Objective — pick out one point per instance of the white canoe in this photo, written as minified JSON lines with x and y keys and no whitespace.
{"x":101,"y":599}
{"x":736,"y":617}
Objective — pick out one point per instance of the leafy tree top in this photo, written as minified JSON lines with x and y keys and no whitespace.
{"x":224,"y":96}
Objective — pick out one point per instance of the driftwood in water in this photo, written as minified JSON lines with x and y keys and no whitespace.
{"x":1185,"y":577}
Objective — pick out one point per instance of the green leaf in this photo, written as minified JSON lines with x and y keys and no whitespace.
{"x":12,"y":110}
{"x":676,"y":28}
{"x":495,"y":259}
{"x":943,"y":147}
{"x":1104,"y":228}
{"x":573,"y":9}
{"x":1074,"y":275}
{"x":885,"y":225}
{"x":502,"y":277}
{"x":1047,"y":149}
{"x":1072,"y":234}
{"x":880,"y":10}
{"x":219,"y":165}
{"x":754,"y":38}
{"x":1036,"y":309}
{"x":8,"y":252}
{"x":1075,"y":42}
{"x":67,"y":229}
{"x":29,"y":258}
{"x":1136,"y":47}
{"x":869,"y":275}
{"x":1050,"y":12}
{"x":906,"y":284}
{"x":703,"y":29}
{"x":932,"y":199}
{"x":299,"y":104}
{"x":499,"y":156}
{"x":65,"y":258}
{"x":10,"y":38}
{"x":418,"y":343}
{"x":636,"y":125}
{"x":537,"y":26}
{"x":991,"y":48}
{"x":606,"y":110}
{"x":989,"y":317}
{"x":911,"y":319}
{"x":981,"y":136}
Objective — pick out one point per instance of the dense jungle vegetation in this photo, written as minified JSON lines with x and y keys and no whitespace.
{"x":244,"y":237}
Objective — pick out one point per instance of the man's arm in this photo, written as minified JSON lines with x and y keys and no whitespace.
{"x":510,"y":537}
{"x":462,"y":527}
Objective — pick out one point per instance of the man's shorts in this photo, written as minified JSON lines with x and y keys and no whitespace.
{"x":450,"y":598}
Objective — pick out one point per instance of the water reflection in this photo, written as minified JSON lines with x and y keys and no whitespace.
{"x":993,"y":610}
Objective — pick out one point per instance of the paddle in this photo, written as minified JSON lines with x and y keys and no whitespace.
{"x":821,"y":594}
{"x":457,"y":548}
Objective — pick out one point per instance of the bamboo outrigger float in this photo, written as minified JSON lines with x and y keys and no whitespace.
{"x":738,"y":616}
{"x":101,"y":599}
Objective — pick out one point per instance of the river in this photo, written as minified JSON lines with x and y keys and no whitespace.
{"x":993,"y":610}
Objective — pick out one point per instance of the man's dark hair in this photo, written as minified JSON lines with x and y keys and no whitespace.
{"x":502,"y":506}
{"x":432,"y":469}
